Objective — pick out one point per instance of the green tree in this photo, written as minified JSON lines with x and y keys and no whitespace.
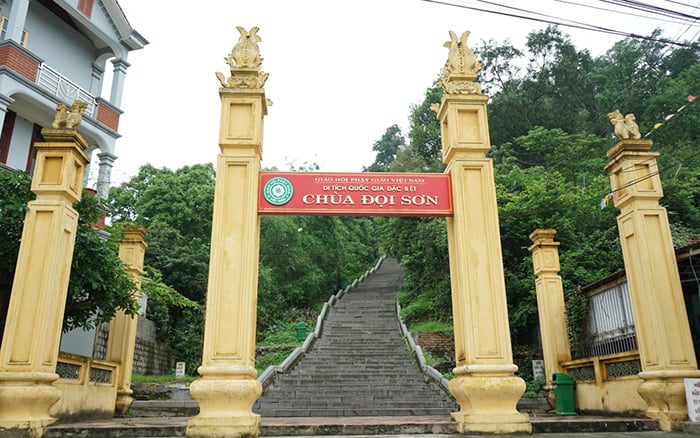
{"x":14,"y":196}
{"x":424,"y":131}
{"x":302,"y":258}
{"x":176,"y":209}
{"x":421,"y":246}
{"x":386,"y":149}
{"x":539,"y":197}
{"x":550,"y":134}
{"x":98,"y":284}
{"x":553,"y":91}
{"x":500,"y":69}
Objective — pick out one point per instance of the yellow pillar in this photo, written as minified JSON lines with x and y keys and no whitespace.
{"x":32,"y":335}
{"x":663,"y":334}
{"x":228,"y":387}
{"x":550,"y":303}
{"x":122,"y":328}
{"x":485,"y":384}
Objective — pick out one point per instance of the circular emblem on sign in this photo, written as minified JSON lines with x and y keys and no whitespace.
{"x":278,"y":190}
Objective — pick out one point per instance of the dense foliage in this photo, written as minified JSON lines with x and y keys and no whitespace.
{"x":549,"y":135}
{"x":303,"y":259}
{"x":550,"y":132}
{"x":98,"y":285}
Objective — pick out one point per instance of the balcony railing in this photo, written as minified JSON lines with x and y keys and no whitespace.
{"x":65,"y":89}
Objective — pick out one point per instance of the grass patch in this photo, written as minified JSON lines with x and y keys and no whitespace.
{"x":429,"y":359}
{"x":165,"y":378}
{"x":283,"y":334}
{"x":269,"y":359}
{"x":535,"y":388}
{"x":284,"y":338}
{"x":434,"y":362}
{"x":437,"y":327}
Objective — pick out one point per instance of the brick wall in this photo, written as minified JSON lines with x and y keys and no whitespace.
{"x":107,"y":115}
{"x":85,"y":7}
{"x":19,"y":62}
{"x":434,"y":342}
{"x":150,"y":357}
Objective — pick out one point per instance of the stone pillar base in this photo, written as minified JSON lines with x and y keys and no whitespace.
{"x":244,"y":426}
{"x":225,"y":399}
{"x":664,"y":392}
{"x":25,"y":400}
{"x":123,"y":402}
{"x":28,"y":430}
{"x":488,"y":402}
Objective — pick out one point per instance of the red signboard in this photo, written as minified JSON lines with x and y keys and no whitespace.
{"x":355,"y":194}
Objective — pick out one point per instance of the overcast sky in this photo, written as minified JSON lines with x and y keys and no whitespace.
{"x":341,"y":72}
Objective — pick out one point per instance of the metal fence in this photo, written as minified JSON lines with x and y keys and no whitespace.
{"x":610,"y":327}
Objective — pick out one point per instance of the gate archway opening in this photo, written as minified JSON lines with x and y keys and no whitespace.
{"x":485,"y":384}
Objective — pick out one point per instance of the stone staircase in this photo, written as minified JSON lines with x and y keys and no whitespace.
{"x":358,"y":378}
{"x":360,"y":365}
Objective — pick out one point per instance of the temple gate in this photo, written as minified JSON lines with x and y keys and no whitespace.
{"x":485,"y":384}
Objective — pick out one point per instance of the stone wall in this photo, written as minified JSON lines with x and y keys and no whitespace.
{"x":150,"y":356}
{"x":99,"y":349}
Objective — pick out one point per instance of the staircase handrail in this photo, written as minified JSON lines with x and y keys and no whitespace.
{"x":268,"y":376}
{"x":417,"y":351}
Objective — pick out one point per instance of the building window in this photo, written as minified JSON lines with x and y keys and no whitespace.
{"x":3,"y":31}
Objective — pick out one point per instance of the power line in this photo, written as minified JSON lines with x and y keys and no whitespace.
{"x":681,"y":3}
{"x":641,"y":6}
{"x":576,"y":23}
{"x":559,"y":22}
{"x":615,"y":11}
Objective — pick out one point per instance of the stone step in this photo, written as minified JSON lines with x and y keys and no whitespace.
{"x":340,"y":385}
{"x":305,"y":375}
{"x":354,"y":376}
{"x":306,"y":403}
{"x":350,"y":332}
{"x":323,"y":346}
{"x":358,"y":375}
{"x":351,"y":404}
{"x":344,"y":364}
{"x":359,"y":412}
{"x":345,"y":401}
{"x":364,"y":426}
{"x":360,"y":365}
{"x":356,"y":370}
{"x":361,"y":338}
{"x":347,"y":393}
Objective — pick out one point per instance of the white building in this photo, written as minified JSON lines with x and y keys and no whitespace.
{"x":55,"y":52}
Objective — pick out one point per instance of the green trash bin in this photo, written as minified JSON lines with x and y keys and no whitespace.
{"x":564,"y":394}
{"x":301,"y":331}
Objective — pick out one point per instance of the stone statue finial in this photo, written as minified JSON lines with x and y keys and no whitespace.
{"x":245,"y":62}
{"x":246,"y":52}
{"x":460,"y":59}
{"x":69,"y":120}
{"x":625,"y":127}
{"x":461,"y":67}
